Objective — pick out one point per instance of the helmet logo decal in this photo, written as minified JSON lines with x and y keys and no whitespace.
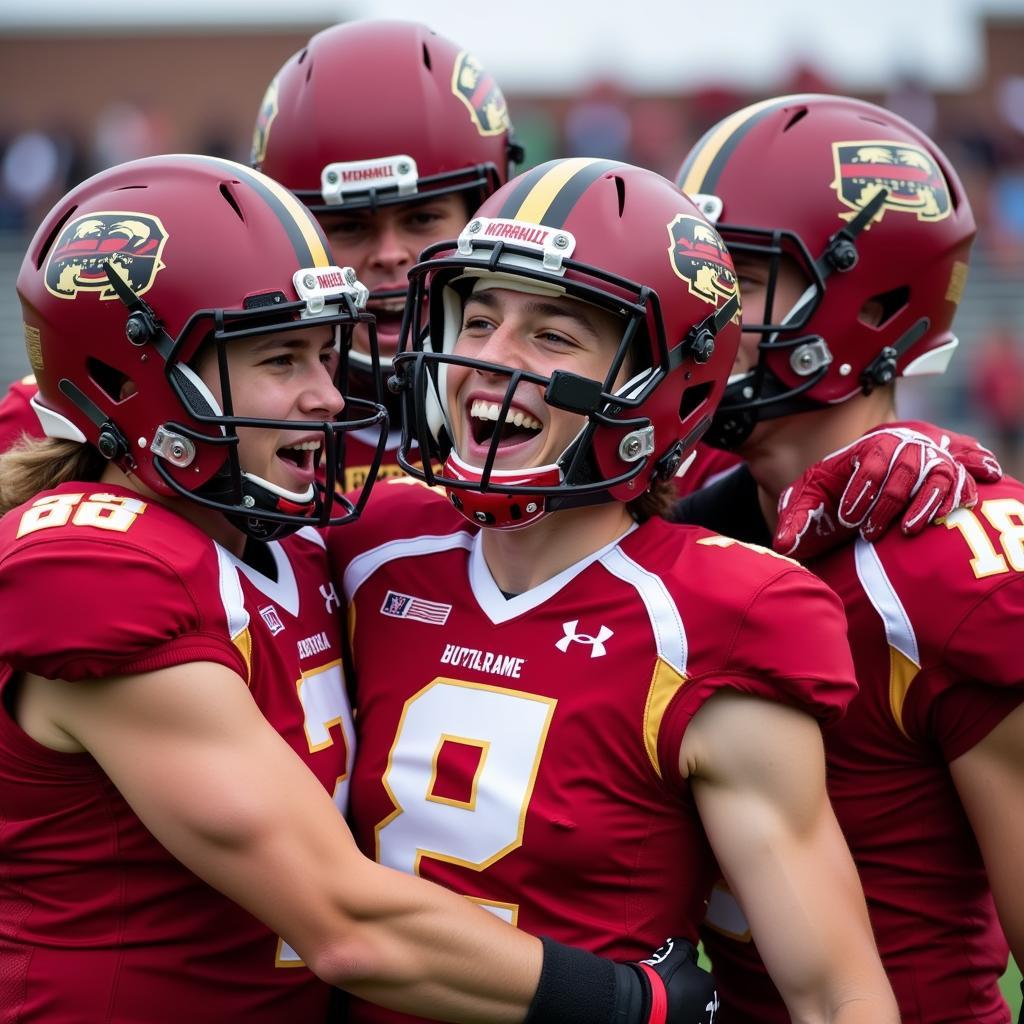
{"x":913,"y":179}
{"x":479,"y":91}
{"x":699,"y":257}
{"x":264,"y":119}
{"x":132,"y":243}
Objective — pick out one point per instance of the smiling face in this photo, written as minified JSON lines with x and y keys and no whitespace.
{"x":537,"y":333}
{"x":382,"y":245}
{"x":283,"y":376}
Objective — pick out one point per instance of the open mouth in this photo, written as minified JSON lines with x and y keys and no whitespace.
{"x":388,"y":314}
{"x":519,"y":426}
{"x":304,"y":455}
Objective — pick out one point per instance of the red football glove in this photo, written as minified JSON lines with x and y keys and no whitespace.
{"x":895,"y":471}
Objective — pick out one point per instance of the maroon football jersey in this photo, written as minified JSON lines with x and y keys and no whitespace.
{"x":935,"y":628}
{"x":524,"y":751}
{"x":360,"y":448}
{"x":97,"y":921}
{"x":709,"y":464}
{"x":16,"y":415}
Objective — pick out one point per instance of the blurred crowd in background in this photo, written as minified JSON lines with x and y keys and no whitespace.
{"x":45,"y":149}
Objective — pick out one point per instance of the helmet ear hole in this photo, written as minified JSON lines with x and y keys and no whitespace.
{"x":693,"y":397}
{"x":880,"y":309}
{"x":115,"y":384}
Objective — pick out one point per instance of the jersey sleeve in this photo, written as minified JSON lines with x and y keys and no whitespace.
{"x":787,"y":644}
{"x":397,"y":507}
{"x":986,"y":643}
{"x":984,"y":651}
{"x":88,"y":609}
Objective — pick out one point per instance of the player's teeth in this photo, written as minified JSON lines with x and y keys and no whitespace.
{"x":524,"y":419}
{"x":304,"y":446}
{"x":491,"y":410}
{"x":484,"y":410}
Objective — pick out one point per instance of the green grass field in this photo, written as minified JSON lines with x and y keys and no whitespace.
{"x":1011,"y":987}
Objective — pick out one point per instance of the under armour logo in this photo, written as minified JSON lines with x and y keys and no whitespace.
{"x":330,"y":596}
{"x":597,"y":648}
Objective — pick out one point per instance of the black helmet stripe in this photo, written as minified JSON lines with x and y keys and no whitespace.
{"x":549,"y":192}
{"x":699,"y":174}
{"x":306,"y":237}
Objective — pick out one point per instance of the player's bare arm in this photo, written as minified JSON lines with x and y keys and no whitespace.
{"x":990,"y":781}
{"x":266,"y":834}
{"x":758,"y":776}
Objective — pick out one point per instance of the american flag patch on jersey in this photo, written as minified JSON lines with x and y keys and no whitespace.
{"x":403,"y":606}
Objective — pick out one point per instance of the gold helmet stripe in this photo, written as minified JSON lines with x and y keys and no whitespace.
{"x":549,"y":192}
{"x":700,"y":171}
{"x":307,"y":238}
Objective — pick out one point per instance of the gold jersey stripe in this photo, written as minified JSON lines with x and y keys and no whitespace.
{"x":902,"y":672}
{"x":665,"y":684}
{"x":244,"y":644}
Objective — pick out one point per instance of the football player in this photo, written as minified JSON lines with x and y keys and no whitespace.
{"x":583,"y":708}
{"x":176,"y":738}
{"x":392,"y":135}
{"x":851,"y":233}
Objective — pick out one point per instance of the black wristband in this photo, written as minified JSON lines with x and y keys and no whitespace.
{"x":577,"y":987}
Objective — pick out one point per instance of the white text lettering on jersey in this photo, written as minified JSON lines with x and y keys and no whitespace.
{"x":315,"y":644}
{"x":482,"y":661}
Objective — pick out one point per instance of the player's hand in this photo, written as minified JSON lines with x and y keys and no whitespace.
{"x":889,"y":473}
{"x":679,"y":992}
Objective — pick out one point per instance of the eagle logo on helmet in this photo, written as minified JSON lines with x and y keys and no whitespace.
{"x":913,"y":180}
{"x":132,"y":243}
{"x":264,"y":119}
{"x":699,"y":257}
{"x":480,"y":92}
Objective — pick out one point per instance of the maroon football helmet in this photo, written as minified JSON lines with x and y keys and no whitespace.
{"x":374,"y":112}
{"x":871,"y":212}
{"x":130,"y":274}
{"x":606,"y":233}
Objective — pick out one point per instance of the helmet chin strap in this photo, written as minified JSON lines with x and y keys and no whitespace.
{"x":269,"y":497}
{"x":296,"y":498}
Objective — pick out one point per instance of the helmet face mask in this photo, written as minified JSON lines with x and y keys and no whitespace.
{"x":876,"y":218}
{"x":391,"y":135}
{"x":645,"y":411}
{"x":117,"y":325}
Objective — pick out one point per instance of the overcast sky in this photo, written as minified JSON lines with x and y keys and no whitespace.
{"x":644,"y":43}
